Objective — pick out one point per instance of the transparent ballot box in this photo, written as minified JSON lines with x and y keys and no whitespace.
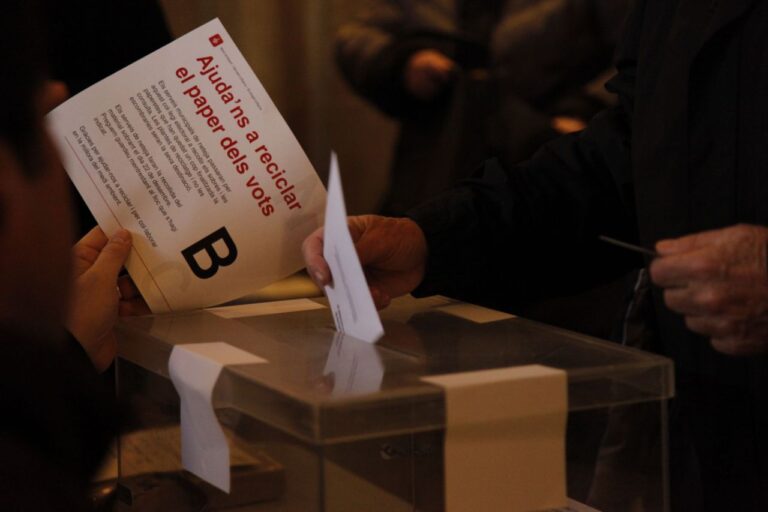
{"x":330,"y":423}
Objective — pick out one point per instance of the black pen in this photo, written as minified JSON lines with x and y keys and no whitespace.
{"x":630,"y":247}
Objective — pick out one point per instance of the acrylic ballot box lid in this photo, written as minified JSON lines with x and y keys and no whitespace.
{"x":324,"y":388}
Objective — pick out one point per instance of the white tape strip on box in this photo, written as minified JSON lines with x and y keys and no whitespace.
{"x":194,"y":371}
{"x":473,"y":313}
{"x":505,"y":439}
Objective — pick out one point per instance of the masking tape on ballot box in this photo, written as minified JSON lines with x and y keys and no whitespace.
{"x":504,"y":439}
{"x":194,"y":371}
{"x":476,"y":314}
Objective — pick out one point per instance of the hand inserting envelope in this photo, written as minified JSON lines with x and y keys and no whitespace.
{"x":354,"y":312}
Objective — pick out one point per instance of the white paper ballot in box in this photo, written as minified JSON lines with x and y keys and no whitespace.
{"x":185,"y":149}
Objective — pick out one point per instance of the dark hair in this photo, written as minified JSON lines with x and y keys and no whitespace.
{"x":22,"y":54}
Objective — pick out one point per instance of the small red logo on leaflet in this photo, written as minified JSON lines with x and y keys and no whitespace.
{"x":216,"y":40}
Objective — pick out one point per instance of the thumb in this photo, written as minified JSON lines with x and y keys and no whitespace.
{"x":112,"y":257}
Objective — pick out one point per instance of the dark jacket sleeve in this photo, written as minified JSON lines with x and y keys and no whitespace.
{"x":57,"y":421}
{"x":531,"y":231}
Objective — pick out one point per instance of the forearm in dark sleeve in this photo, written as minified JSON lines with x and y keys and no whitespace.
{"x":527,"y":232}
{"x":62,"y":419}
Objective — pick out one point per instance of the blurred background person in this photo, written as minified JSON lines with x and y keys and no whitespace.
{"x":475,"y":79}
{"x":470,"y":80}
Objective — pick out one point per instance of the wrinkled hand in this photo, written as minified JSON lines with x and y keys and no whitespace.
{"x":95,"y":300}
{"x":393,"y":253}
{"x":719,"y":281}
{"x":427,"y":72}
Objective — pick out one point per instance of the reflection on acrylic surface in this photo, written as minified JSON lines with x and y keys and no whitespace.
{"x":353,"y":367}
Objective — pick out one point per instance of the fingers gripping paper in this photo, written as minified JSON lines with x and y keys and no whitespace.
{"x":194,"y":371}
{"x":505,"y":439}
{"x":185,"y":149}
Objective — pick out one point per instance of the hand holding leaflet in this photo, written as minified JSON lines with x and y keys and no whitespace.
{"x":353,"y":310}
{"x":185,"y":149}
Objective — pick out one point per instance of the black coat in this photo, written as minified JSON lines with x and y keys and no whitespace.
{"x":686,"y":151}
{"x":57,"y":419}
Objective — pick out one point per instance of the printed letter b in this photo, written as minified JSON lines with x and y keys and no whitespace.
{"x":217,"y":261}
